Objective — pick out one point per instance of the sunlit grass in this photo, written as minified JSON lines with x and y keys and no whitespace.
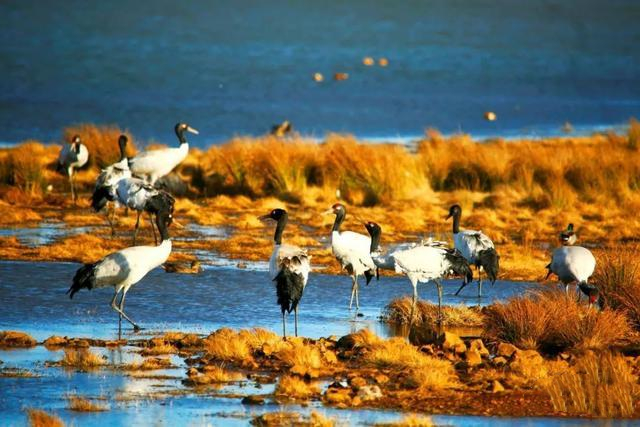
{"x":40,"y":418}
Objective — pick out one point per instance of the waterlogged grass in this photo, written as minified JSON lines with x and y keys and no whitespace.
{"x":40,"y":418}
{"x":82,"y":404}
{"x":82,"y":358}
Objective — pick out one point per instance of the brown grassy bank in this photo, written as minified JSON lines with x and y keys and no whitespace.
{"x":519,"y":192}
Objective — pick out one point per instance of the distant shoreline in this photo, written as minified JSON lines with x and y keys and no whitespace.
{"x":533,"y":132}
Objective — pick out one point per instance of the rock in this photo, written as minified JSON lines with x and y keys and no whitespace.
{"x":192,"y":372}
{"x":452,"y":342}
{"x":564,"y":356}
{"x":496,"y":387}
{"x":357,"y":383}
{"x":16,"y":339}
{"x":338,"y":396}
{"x":473,"y":358}
{"x":499,"y":361}
{"x":55,"y":341}
{"x":369,"y":392}
{"x":529,"y":364}
{"x":381,"y":379}
{"x":478,"y":345}
{"x":428,"y":349}
{"x":348,"y":342}
{"x":253,"y":400}
{"x":506,"y":350}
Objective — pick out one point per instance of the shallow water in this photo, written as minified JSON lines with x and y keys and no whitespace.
{"x":33,"y":300}
{"x":45,"y":233}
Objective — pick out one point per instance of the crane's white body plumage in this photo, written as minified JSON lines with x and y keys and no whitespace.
{"x":291,"y":257}
{"x":128,"y":266}
{"x":470,"y":243}
{"x":384,"y":258}
{"x":572,"y":264}
{"x":352,"y":251}
{"x":71,"y":159}
{"x":155,"y":164}
{"x":422,"y":263}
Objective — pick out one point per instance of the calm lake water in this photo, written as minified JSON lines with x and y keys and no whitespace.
{"x":33,"y":300}
{"x":237,"y":67}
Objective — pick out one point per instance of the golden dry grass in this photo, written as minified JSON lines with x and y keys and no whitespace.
{"x":304,"y":359}
{"x":226,"y":345}
{"x":16,"y":339}
{"x":599,"y":384}
{"x":148,"y":364}
{"x":618,"y":278}
{"x":412,"y":420}
{"x":81,"y":358}
{"x":296,"y":388}
{"x":551,"y":320}
{"x":282,"y":419}
{"x":399,"y":310}
{"x":40,"y":418}
{"x":81,"y":404}
{"x":423,"y":371}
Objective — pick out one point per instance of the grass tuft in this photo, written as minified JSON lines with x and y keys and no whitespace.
{"x":399,"y":310}
{"x":81,"y":404}
{"x":40,"y":418}
{"x":81,"y":358}
{"x":599,"y":384}
{"x":296,"y":388}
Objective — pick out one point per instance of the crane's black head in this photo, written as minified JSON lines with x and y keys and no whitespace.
{"x":570,"y":227}
{"x":454,"y":211}
{"x":275,"y":215}
{"x":373,"y":228}
{"x":75,"y":139}
{"x":164,"y":218}
{"x":337,"y":209}
{"x":181,"y":128}
{"x":122,"y":141}
{"x":161,"y":202}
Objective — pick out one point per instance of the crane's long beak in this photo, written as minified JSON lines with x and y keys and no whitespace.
{"x":192,"y":130}
{"x":327,"y":212}
{"x":176,"y":223}
{"x":264,"y":218}
{"x":447,"y":217}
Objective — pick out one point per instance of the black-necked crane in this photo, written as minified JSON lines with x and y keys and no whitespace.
{"x":573,"y":264}
{"x":289,"y":268}
{"x":476,"y":247}
{"x":427,"y":262}
{"x":568,"y":237}
{"x":125,"y":268}
{"x":72,"y":157}
{"x":136,"y":194}
{"x":107,"y":182}
{"x":352,"y":251}
{"x":154,"y":164}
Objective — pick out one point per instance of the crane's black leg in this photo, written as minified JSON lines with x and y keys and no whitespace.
{"x":136,"y":328}
{"x":461,"y":288}
{"x":414,"y":301}
{"x":354,"y":285}
{"x":153,"y":228}
{"x":295,"y":314}
{"x":115,"y":307}
{"x":135,"y":232}
{"x":73,"y":192}
{"x":284,"y":326}
{"x":439,"y":286}
{"x":479,"y":282}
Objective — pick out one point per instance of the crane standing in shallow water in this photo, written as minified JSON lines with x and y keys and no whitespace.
{"x":289,"y":268}
{"x":352,"y":251}
{"x":426,"y":262}
{"x":125,"y":268}
{"x":477,"y":249}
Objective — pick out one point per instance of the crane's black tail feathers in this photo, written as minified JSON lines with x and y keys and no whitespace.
{"x":162,"y":201}
{"x":100,"y":197}
{"x":289,"y":289}
{"x":84,"y":278}
{"x":459,"y":265}
{"x":489,"y":260}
